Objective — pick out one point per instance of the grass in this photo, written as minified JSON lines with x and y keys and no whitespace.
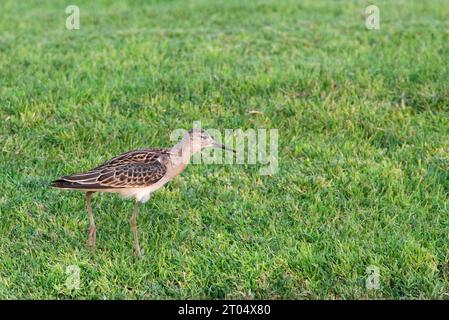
{"x":363,"y":120}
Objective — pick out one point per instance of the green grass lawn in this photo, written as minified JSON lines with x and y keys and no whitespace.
{"x":363,"y":120}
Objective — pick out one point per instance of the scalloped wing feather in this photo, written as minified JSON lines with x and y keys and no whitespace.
{"x":134,"y":169}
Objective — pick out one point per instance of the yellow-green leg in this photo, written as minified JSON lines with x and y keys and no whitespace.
{"x":134,"y":229}
{"x":92,"y":229}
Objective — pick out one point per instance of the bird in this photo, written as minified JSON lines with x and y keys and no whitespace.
{"x":137,"y":174}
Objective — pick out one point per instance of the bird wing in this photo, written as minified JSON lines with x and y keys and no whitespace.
{"x":135,"y":156}
{"x":134,"y":169}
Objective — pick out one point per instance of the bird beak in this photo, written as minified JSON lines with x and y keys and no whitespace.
{"x":222,"y":146}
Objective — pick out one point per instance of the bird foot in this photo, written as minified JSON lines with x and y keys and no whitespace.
{"x":90,"y":243}
{"x":92,"y":238}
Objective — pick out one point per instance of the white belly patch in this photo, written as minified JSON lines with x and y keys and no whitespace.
{"x":142,"y":194}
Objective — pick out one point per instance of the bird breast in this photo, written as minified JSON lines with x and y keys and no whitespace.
{"x":175,"y":166}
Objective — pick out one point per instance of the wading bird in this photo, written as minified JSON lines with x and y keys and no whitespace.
{"x":137,"y":174}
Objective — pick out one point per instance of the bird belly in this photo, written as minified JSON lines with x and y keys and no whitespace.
{"x":142,"y":194}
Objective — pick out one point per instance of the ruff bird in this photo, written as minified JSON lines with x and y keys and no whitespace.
{"x":137,"y":174}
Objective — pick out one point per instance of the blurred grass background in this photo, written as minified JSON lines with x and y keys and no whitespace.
{"x":363,"y":157}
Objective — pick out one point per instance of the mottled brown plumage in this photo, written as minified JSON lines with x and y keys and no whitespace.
{"x":137,"y":169}
{"x":136,"y":174}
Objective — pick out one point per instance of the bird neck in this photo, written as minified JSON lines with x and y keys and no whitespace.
{"x":185,"y":149}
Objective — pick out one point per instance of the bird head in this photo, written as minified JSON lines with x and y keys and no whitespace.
{"x":200,"y":139}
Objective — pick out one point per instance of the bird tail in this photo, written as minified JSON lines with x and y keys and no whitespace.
{"x":64,"y":184}
{"x":80,"y":181}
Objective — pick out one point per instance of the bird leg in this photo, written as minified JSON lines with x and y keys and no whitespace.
{"x":134,"y":229}
{"x":92,"y":229}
